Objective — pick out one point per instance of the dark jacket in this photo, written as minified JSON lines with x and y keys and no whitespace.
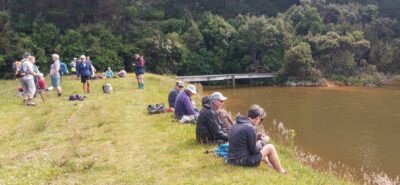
{"x":172,"y":97}
{"x":242,"y":142}
{"x":208,"y":127}
{"x":84,"y":70}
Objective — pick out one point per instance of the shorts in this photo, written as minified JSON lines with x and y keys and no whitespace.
{"x":139,"y":71}
{"x":250,"y":161}
{"x":84,"y":79}
{"x":55,"y":81}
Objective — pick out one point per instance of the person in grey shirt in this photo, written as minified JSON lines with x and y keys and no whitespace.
{"x":245,"y":149}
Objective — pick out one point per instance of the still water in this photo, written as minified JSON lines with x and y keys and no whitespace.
{"x":359,"y":126}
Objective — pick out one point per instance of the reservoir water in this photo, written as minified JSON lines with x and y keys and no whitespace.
{"x":359,"y":126}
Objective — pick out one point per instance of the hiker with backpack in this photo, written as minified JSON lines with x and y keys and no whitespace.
{"x":55,"y":75}
{"x":245,"y":149}
{"x":208,"y":126}
{"x":27,"y":74}
{"x":139,"y":70}
{"x":84,"y":70}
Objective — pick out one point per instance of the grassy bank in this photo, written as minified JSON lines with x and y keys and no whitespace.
{"x":110,"y":139}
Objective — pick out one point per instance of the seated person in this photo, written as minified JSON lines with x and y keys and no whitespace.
{"x":245,"y":149}
{"x":122,"y":73}
{"x":173,"y":94}
{"x":183,"y":103}
{"x":208,"y":126}
{"x":41,"y":82}
{"x":109,"y":73}
{"x":225,"y":119}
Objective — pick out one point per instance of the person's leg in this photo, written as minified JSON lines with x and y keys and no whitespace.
{"x":25,"y":91}
{"x":138,"y":81}
{"x":31,"y":92}
{"x":269,"y":154}
{"x":88,"y":86}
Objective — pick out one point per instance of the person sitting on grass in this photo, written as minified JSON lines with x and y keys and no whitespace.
{"x":183,"y":103}
{"x":122,"y":73}
{"x":208,"y":126}
{"x":173,"y":94}
{"x":109,"y":73}
{"x":245,"y":149}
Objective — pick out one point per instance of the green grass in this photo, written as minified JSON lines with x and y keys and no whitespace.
{"x":110,"y":139}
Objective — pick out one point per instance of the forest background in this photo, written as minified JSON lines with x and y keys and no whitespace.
{"x":301,"y":40}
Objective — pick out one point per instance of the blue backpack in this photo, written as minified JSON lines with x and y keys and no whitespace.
{"x":63,"y":68}
{"x":222,"y":150}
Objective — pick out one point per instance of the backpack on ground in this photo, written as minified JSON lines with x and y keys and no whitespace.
{"x":76,"y":97}
{"x":107,"y":88}
{"x":222,"y":150}
{"x":63,"y":68}
{"x":157,"y":108}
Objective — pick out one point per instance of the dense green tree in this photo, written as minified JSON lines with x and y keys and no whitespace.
{"x":298,"y":62}
{"x":216,"y":31}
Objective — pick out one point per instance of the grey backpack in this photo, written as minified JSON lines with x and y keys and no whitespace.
{"x":107,"y":88}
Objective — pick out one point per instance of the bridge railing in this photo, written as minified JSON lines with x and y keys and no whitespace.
{"x":218,"y":77}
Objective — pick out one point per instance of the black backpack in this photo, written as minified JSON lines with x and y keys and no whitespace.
{"x":157,"y":108}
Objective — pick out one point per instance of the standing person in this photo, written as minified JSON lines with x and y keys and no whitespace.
{"x":245,"y":149}
{"x":139,"y":70}
{"x":72,"y":64}
{"x":173,"y":94}
{"x":84,"y":70}
{"x":183,"y":103}
{"x":27,"y":80}
{"x":55,"y":75}
{"x":208,"y":126}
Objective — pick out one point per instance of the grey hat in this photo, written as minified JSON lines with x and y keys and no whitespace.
{"x":217,"y":96}
{"x":26,"y":54}
{"x":180,"y":83}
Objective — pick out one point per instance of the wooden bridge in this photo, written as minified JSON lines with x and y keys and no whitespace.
{"x":233,"y":77}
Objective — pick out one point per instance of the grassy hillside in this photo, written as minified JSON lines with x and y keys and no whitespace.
{"x":110,"y":139}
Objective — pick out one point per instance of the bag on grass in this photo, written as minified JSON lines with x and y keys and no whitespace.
{"x":76,"y":97}
{"x":157,"y":108}
{"x":107,"y":88}
{"x":222,"y":150}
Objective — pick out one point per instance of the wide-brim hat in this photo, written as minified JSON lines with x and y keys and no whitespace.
{"x":192,"y":89}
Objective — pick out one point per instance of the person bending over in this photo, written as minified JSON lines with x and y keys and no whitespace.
{"x":245,"y":149}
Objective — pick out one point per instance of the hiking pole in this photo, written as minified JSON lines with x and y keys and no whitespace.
{"x":209,"y":151}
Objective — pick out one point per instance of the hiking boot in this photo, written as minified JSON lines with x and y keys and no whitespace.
{"x":59,"y":94}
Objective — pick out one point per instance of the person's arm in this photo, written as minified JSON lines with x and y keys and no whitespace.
{"x":78,"y":70}
{"x":57,"y":67}
{"x":189,"y":107}
{"x":254,"y":145}
{"x":30,"y":68}
{"x":215,"y":127}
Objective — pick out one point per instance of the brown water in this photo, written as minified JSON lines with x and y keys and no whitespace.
{"x":359,"y":126}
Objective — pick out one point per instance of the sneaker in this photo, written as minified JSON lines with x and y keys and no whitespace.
{"x":31,"y":103}
{"x":59,"y":94}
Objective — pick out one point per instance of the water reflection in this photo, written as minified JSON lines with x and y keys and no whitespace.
{"x":356,"y":125}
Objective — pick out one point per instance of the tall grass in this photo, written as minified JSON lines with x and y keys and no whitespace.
{"x":285,"y":137}
{"x":111,"y":139}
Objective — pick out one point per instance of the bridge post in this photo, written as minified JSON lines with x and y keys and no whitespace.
{"x":233,"y":81}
